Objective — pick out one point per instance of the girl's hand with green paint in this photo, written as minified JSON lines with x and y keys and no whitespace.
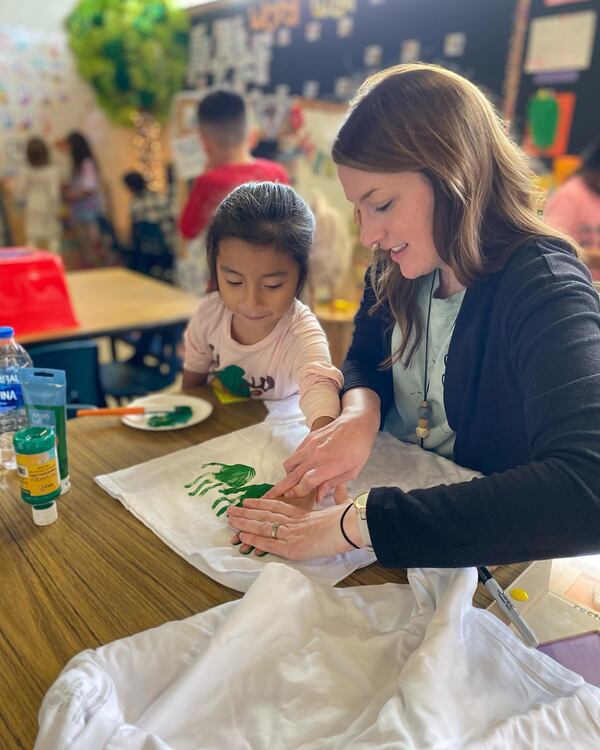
{"x":301,"y":534}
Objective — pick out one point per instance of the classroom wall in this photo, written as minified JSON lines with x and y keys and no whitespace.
{"x":39,"y":26}
{"x":264,"y":46}
{"x":324,"y":49}
{"x":559,"y":61}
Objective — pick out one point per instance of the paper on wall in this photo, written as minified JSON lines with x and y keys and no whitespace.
{"x":561,"y":42}
{"x":188,"y":156}
{"x":312,"y":31}
{"x":454,"y":44}
{"x":410,"y":50}
{"x":345,"y":27}
{"x":310,"y":89}
{"x":372,"y":55}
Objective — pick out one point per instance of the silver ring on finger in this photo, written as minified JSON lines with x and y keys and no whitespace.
{"x":274,"y":529}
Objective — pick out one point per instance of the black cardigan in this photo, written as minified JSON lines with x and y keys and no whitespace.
{"x":522,"y":393}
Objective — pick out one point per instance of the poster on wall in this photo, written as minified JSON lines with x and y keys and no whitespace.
{"x":561,"y":42}
{"x":186,"y":150}
{"x":549,"y":119}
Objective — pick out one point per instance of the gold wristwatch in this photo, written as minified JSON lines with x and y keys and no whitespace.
{"x":360,"y":503}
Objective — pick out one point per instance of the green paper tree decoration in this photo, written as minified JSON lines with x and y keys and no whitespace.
{"x":542,"y":115}
{"x":133,"y":52}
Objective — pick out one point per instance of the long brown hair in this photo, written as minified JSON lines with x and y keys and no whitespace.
{"x":424,"y":118}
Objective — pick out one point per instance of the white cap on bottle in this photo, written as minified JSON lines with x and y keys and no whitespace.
{"x":44,"y":516}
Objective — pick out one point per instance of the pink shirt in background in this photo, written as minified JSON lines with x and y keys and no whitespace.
{"x":293,"y":358}
{"x":573,"y":208}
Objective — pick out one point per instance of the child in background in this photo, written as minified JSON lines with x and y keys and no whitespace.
{"x":223,"y":125}
{"x":253,"y":334}
{"x":151,"y":207}
{"x":574,"y":207}
{"x":85,"y":196}
{"x":38,"y":188}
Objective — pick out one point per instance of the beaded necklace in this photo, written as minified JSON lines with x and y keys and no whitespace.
{"x":424,"y":411}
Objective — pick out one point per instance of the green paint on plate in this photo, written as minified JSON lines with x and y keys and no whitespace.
{"x":181,"y":415}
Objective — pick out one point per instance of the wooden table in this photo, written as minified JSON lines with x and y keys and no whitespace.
{"x":98,"y":573}
{"x":111,"y":301}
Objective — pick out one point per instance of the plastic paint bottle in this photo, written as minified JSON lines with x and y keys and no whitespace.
{"x":37,"y":467}
{"x":45,"y":396}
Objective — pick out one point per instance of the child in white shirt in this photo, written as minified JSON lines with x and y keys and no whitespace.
{"x":38,"y":188}
{"x":253,"y":335}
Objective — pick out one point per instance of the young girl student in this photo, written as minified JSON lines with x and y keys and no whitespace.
{"x":253,"y":337}
{"x":38,"y":187}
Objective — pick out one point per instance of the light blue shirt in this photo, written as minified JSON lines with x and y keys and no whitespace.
{"x":401,"y":420}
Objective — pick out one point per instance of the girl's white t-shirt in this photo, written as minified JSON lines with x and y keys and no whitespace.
{"x":39,"y":188}
{"x":293,"y":358}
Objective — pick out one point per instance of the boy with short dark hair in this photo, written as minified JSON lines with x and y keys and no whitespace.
{"x":223,"y":129}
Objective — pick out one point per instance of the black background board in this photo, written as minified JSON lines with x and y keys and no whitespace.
{"x":486,"y":23}
{"x":586,"y":118}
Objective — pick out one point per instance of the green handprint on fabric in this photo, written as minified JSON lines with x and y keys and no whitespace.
{"x":230,"y":481}
{"x":239,"y":494}
{"x":230,"y":475}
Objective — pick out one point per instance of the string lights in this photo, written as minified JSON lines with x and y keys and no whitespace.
{"x":148,"y":150}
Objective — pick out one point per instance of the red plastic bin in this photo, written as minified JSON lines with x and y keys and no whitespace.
{"x":33,"y":291}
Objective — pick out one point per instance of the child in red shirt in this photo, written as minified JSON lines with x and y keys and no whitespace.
{"x":224,"y":135}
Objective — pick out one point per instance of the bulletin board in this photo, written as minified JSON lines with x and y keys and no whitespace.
{"x":40,"y":93}
{"x":314,"y":54}
{"x":323,"y":49}
{"x":562,"y":55}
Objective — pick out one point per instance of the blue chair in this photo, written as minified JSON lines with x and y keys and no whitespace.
{"x":151,"y":253}
{"x":79,"y":360}
{"x":153,"y":367}
{"x":108,"y":238}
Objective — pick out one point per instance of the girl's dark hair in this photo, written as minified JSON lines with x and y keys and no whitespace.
{"x":266,"y":214}
{"x":80,"y":150}
{"x":37,"y":152}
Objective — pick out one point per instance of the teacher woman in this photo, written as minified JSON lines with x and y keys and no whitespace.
{"x":478,"y":337}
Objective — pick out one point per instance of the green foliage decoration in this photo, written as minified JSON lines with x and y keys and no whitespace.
{"x":133,"y":53}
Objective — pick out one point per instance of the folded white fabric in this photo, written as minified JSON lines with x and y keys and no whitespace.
{"x":173,"y":495}
{"x":296,"y":664}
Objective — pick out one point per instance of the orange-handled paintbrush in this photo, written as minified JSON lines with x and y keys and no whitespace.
{"x":120,"y":411}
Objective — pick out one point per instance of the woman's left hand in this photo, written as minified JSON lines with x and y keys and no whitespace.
{"x":290,"y":532}
{"x":305,"y":503}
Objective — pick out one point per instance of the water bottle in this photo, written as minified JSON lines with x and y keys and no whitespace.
{"x":13,"y":415}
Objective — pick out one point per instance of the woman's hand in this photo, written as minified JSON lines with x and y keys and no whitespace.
{"x":332,"y":455}
{"x":290,"y":532}
{"x":306,"y":502}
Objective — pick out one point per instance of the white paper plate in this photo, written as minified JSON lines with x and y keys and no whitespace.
{"x":201,"y":409}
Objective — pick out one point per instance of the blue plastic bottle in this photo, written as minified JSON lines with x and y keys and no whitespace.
{"x":13,"y":415}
